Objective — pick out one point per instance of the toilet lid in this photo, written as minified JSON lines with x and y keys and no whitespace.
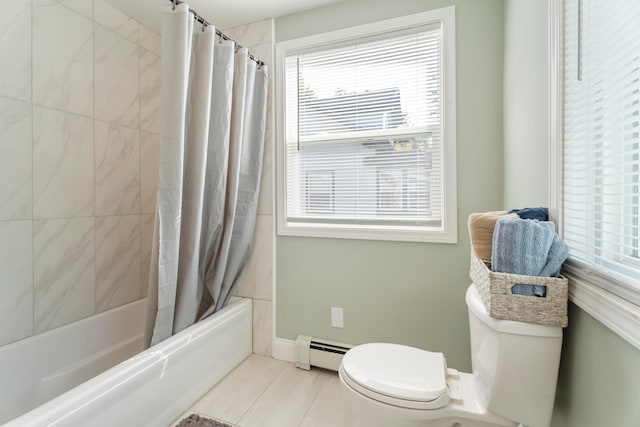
{"x":398,"y":372}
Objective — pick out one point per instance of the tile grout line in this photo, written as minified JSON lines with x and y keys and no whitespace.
{"x":70,"y":113}
{"x":33,"y":231}
{"x":263,"y":391}
{"x":313,"y":400}
{"x":93,"y":86}
{"x":139,"y":137}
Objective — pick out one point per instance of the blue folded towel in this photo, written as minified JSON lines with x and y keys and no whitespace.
{"x":521,"y":246}
{"x":541,"y":214}
{"x":558,"y":253}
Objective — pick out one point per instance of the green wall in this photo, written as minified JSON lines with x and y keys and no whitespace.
{"x":409,"y":293}
{"x":525,"y":101}
{"x":599,"y":380}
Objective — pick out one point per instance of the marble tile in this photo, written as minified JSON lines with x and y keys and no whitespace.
{"x":117,"y":261}
{"x":256,"y":279}
{"x":83,"y":7}
{"x":150,"y":157}
{"x":262,"y":327}
{"x":253,"y":34}
{"x":63,"y":168}
{"x":265,"y":202}
{"x":265,"y":199}
{"x":64,"y":271}
{"x":116,"y":21}
{"x":16,"y":280}
{"x":117,"y":169}
{"x":263,"y":52}
{"x":116,"y":78}
{"x":62,"y":58}
{"x":15,"y":160}
{"x":292,"y":393}
{"x":329,"y":408}
{"x":271,"y":125}
{"x":15,"y":49}
{"x":231,"y":398}
{"x":150,"y":40}
{"x":146,"y":236}
{"x":149,"y":91}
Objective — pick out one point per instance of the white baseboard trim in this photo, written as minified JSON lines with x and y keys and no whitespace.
{"x":284,"y":349}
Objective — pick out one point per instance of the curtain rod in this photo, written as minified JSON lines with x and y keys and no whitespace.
{"x":222,"y":35}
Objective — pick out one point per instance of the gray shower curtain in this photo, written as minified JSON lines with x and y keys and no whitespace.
{"x":213,"y":115}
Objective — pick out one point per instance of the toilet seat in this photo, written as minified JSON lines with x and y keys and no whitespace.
{"x":398,"y":375}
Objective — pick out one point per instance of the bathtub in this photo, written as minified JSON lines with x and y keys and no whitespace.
{"x":37,"y":369}
{"x":151,"y":388}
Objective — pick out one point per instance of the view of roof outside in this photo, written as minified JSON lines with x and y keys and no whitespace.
{"x":408,"y":64}
{"x":359,"y":111}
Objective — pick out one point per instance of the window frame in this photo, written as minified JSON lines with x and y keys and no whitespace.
{"x":601,"y":296}
{"x":447,"y":232}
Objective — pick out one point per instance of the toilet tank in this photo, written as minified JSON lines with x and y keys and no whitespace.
{"x":515,"y":364}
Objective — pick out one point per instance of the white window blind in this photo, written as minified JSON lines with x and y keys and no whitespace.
{"x":602,"y":142}
{"x":364,"y":131}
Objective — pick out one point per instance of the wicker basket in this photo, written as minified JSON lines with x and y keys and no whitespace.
{"x":495,"y":291}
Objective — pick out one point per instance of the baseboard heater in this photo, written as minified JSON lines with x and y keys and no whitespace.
{"x":317,"y":352}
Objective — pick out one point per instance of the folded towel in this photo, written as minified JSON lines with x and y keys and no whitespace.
{"x":481,"y":226}
{"x":541,"y":214}
{"x":558,"y":253}
{"x":521,"y":246}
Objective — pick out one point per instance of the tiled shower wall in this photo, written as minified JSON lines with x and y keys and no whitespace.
{"x":79,"y":135}
{"x":256,"y":281}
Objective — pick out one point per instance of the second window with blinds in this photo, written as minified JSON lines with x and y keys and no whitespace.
{"x":366,"y":132}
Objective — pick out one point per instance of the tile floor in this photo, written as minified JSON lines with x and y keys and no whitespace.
{"x":263,"y":392}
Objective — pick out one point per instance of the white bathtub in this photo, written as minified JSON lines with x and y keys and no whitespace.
{"x":37,"y":369}
{"x":151,"y":388}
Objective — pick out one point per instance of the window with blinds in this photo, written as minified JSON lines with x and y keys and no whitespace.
{"x":602,"y":142}
{"x":364,"y":134}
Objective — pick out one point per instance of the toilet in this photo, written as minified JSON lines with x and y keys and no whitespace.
{"x":515,"y":369}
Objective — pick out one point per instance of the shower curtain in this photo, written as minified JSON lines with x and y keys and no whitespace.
{"x":213,"y":115}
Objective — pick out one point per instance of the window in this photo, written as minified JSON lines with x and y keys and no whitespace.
{"x":319,"y":192}
{"x":402,"y":190}
{"x":601,"y":152}
{"x":367,"y":141}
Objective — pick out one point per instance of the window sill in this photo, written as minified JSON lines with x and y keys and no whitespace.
{"x":619,"y":315}
{"x":399,"y":234}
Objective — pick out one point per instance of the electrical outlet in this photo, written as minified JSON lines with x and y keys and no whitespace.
{"x":337,"y":317}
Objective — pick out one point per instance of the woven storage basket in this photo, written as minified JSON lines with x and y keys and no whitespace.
{"x":495,"y":291}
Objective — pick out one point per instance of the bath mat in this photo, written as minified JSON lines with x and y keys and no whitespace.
{"x":195,"y":420}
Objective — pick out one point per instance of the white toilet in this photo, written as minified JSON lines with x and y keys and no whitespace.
{"x":515,"y":368}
